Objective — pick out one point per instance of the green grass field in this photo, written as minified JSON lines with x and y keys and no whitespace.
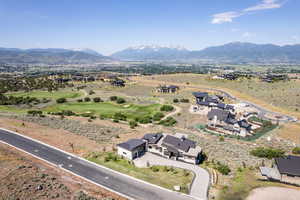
{"x":106,"y":109}
{"x":166,"y":177}
{"x":48,"y":95}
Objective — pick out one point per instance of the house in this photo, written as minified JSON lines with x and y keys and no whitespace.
{"x":176,"y":147}
{"x":286,"y":170}
{"x":223,"y":120}
{"x":167,"y":88}
{"x":118,"y":83}
{"x":132,"y":149}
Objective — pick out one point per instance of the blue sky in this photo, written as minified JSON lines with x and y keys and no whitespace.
{"x":111,"y":25}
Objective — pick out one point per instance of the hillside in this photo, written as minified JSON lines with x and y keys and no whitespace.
{"x":49,"y":56}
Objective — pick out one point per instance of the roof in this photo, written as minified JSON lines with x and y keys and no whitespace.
{"x":183,"y":143}
{"x":221,"y":105}
{"x":152,"y":138}
{"x":200,"y":94}
{"x":221,"y":115}
{"x":244,"y":124}
{"x":173,"y":86}
{"x":132,"y":144}
{"x":289,"y":165}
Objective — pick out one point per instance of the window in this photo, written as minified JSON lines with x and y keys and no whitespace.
{"x":124,"y":153}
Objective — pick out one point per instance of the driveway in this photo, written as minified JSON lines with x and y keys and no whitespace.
{"x":199,"y":187}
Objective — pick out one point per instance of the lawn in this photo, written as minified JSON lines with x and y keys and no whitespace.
{"x":107,"y":109}
{"x":166,"y":177}
{"x":12,"y":109}
{"x":48,"y":95}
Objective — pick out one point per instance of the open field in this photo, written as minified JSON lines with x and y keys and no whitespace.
{"x":107,"y":109}
{"x":48,"y":95}
{"x":280,"y":96}
{"x":166,"y":177}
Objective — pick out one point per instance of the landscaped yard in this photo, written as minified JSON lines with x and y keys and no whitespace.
{"x":166,"y":177}
{"x":107,"y":109}
{"x":48,"y":95}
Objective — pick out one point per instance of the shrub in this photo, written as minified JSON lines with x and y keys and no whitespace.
{"x":145,"y":120}
{"x":79,"y":100}
{"x":221,"y":138}
{"x":166,"y":108}
{"x":120,"y":100}
{"x":133,"y":124}
{"x":175,"y":100}
{"x":184,"y":100}
{"x":35,"y":112}
{"x":158,"y":116}
{"x":91,"y":92}
{"x":154,"y":169}
{"x":120,"y":116}
{"x":61,"y":100}
{"x":222,"y":168}
{"x":87,"y":99}
{"x":67,"y":113}
{"x":269,"y":153}
{"x":113,"y":98}
{"x":170,"y":121}
{"x":97,"y":99}
{"x":296,"y":150}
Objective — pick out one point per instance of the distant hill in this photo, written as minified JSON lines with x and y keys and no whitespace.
{"x":50,"y":56}
{"x":236,"y":52}
{"x":152,"y":52}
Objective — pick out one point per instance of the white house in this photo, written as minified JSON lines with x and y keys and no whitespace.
{"x":132,"y":149}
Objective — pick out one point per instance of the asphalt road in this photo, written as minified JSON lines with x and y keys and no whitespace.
{"x":122,"y":184}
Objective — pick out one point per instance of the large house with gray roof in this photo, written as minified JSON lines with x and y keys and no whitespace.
{"x":177,"y":147}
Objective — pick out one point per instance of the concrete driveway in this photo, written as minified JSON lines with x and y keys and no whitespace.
{"x":199,"y":187}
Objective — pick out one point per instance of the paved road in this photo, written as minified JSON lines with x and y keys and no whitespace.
{"x":199,"y":187}
{"x":122,"y":184}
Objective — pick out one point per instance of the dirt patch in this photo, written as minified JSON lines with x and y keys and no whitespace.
{"x":274,"y":193}
{"x":24,"y":177}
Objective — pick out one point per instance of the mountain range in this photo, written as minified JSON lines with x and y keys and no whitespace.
{"x":50,"y":56}
{"x":236,"y":52}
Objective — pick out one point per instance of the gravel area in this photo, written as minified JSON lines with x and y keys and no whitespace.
{"x":274,"y":193}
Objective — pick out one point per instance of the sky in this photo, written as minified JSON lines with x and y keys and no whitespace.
{"x":108,"y":26}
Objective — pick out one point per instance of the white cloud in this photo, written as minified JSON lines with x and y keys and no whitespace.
{"x":226,"y":17}
{"x":264,"y":5}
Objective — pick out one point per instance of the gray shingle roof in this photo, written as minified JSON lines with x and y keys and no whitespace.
{"x":132,"y":144}
{"x":152,"y":138}
{"x":183,"y":144}
{"x":200,"y":94}
{"x":221,"y":115}
{"x":289,"y":165}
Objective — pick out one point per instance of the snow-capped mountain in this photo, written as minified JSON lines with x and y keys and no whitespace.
{"x":151,"y":52}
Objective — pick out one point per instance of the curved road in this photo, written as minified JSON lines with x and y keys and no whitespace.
{"x":116,"y":182}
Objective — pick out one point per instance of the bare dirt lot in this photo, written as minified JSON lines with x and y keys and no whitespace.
{"x":24,"y":177}
{"x":274,"y":193}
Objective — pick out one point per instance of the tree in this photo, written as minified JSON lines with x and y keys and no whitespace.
{"x":167,"y":108}
{"x":269,"y":153}
{"x":97,"y":99}
{"x":120,"y":100}
{"x":158,"y":116}
{"x":87,"y":99}
{"x":113,"y":98}
{"x":296,"y":150}
{"x":61,"y":100}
